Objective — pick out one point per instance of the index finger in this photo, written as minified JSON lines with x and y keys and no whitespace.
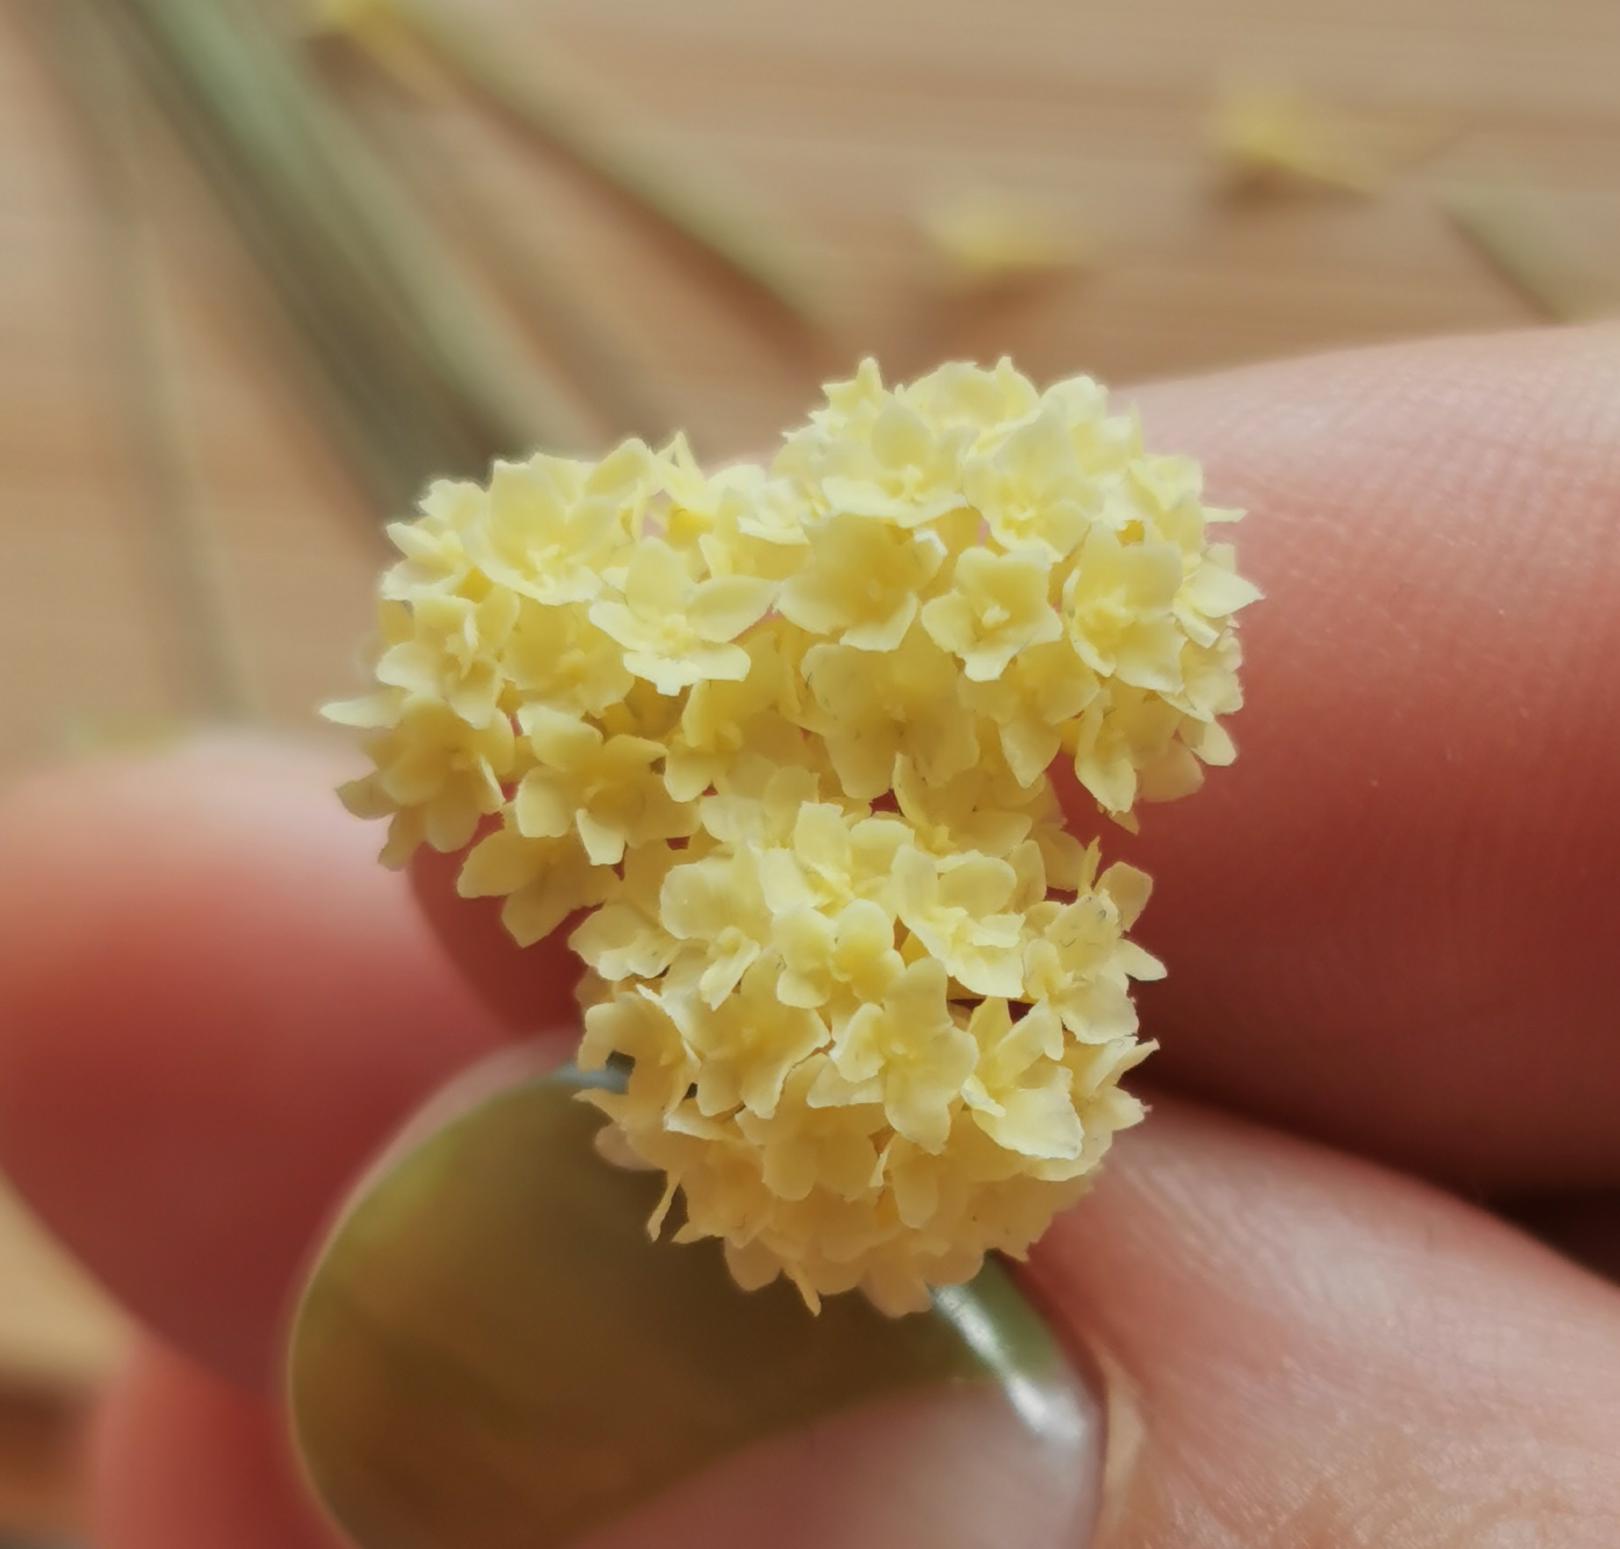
{"x":1389,"y":923}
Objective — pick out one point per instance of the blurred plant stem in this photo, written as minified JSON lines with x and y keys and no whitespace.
{"x":542,"y":292}
{"x":535,"y":95}
{"x":211,"y":662}
{"x":1512,"y":232}
{"x":418,"y":375}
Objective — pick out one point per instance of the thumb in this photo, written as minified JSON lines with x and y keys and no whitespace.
{"x":1257,"y":1341}
{"x":1304,"y":1349}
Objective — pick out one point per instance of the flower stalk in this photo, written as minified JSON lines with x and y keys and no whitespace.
{"x":417,"y":373}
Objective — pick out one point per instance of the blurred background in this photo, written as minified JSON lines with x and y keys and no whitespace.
{"x":269,"y":264}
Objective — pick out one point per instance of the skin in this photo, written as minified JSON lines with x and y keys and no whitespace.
{"x":1388,"y":932}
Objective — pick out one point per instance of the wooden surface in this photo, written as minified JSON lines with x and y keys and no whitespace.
{"x":58,"y":1339}
{"x":845,"y":117}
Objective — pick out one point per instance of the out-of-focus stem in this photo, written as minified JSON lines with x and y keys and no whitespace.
{"x":542,"y":292}
{"x":186,"y":542}
{"x":401,"y":333}
{"x":534,"y":97}
{"x":1514,"y":238}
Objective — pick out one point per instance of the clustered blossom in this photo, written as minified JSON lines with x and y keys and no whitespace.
{"x":779,"y":741}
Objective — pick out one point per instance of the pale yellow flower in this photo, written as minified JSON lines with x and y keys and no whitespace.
{"x":677,"y":630}
{"x":991,"y":240}
{"x":721,"y":1175}
{"x":635,"y":1025}
{"x":603,"y":788}
{"x":996,"y":607}
{"x":552,"y":525}
{"x":846,"y":415}
{"x":852,"y":949}
{"x":1031,"y":489}
{"x":830,"y":1196}
{"x":433,"y":548}
{"x":376,"y":711}
{"x":722,"y":718}
{"x":543,"y":881}
{"x":694,"y":496}
{"x":740,"y":519}
{"x":643,"y":712}
{"x":1043,"y":691}
{"x":1021,"y":1094}
{"x":1063,"y":857}
{"x":759,"y":802}
{"x":905,"y":470}
{"x":380,"y":707}
{"x":917,"y":1179}
{"x":1117,"y":607}
{"x":1078,"y":963}
{"x":874,"y":994}
{"x":1121,"y":736}
{"x":896,"y":455}
{"x":975,"y":1195}
{"x":830,"y":857}
{"x":555,"y":656}
{"x":906,"y":1053}
{"x":1031,"y":884}
{"x":1097,"y":1068}
{"x":454,"y":653}
{"x":974,"y":811}
{"x":627,"y":937}
{"x":1110,"y":445}
{"x":1209,"y":679}
{"x":803,"y":1148}
{"x":861,"y":582}
{"x":436,"y":774}
{"x":880,"y":707}
{"x":960,"y":911}
{"x":985,"y":404}
{"x":1170,"y":490}
{"x":1212,"y":593}
{"x":1273,"y":139}
{"x":746,"y":1045}
{"x":716,"y":909}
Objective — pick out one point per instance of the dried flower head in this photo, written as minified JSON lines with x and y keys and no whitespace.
{"x":786,"y":733}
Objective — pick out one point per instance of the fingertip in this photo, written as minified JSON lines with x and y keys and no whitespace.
{"x":1395,"y":907}
{"x":181,"y":1460}
{"x":213,"y":1006}
{"x":1292,"y":1338}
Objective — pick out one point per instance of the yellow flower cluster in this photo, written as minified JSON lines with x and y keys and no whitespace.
{"x":786,"y":732}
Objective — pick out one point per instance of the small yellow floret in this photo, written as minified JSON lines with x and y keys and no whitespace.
{"x":678,"y":630}
{"x":997,"y":607}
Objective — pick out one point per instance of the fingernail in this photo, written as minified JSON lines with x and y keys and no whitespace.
{"x":490,"y":1352}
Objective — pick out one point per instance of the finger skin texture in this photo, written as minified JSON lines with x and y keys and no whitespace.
{"x":213,"y":1006}
{"x":1390,"y":922}
{"x":182,"y":1460}
{"x":1299,"y":1350}
{"x":1308,"y":1352}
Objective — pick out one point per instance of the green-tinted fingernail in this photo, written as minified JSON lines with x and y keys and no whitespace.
{"x":491,"y":1353}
